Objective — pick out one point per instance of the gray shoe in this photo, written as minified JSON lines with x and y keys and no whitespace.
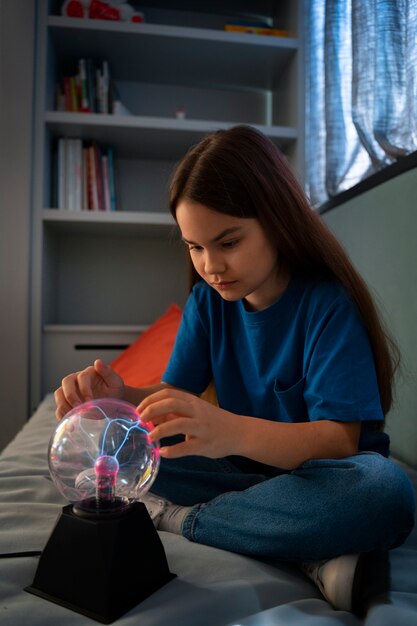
{"x":352,"y":582}
{"x":334,"y":578}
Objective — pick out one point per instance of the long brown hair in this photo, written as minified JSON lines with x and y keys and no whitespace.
{"x":240,"y":172}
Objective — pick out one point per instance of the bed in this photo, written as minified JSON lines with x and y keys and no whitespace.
{"x":212,"y":587}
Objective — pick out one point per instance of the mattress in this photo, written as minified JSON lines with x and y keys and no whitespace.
{"x":212,"y":587}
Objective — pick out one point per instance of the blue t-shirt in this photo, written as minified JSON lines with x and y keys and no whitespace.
{"x":306,"y":357}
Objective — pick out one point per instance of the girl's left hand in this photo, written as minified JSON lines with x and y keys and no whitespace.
{"x":209,"y":431}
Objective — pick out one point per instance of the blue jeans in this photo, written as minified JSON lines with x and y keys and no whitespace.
{"x":322,"y":509}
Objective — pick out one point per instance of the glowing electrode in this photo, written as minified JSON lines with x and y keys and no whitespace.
{"x":106,"y":469}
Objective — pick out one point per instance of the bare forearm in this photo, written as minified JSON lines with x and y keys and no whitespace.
{"x":215,"y":432}
{"x":135,"y":395}
{"x":288,"y":445}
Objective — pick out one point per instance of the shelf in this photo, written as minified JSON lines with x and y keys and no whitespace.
{"x":148,"y":137}
{"x":99,"y":278}
{"x":87,"y":329}
{"x":214,"y":13}
{"x":144,"y":224}
{"x":176,"y":54}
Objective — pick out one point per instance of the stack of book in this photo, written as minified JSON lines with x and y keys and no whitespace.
{"x":85,"y":176}
{"x":89,"y":90}
{"x":256,"y":28}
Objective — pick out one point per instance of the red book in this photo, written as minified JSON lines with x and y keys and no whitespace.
{"x":74,"y":94}
{"x":99,"y":176}
{"x":92,"y":182}
{"x":67,"y":94}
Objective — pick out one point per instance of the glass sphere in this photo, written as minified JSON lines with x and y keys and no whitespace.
{"x":101,"y":458}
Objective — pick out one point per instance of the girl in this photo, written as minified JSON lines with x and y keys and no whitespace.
{"x":291,"y":463}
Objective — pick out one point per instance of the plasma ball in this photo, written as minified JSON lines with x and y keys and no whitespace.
{"x":106,"y":469}
{"x":100,"y":456}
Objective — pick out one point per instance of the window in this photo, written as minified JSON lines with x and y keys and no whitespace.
{"x":361,"y":91}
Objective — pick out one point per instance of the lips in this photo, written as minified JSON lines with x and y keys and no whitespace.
{"x":224,"y":283}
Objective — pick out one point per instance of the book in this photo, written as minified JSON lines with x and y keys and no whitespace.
{"x":112,"y":178}
{"x":84,"y":100}
{"x":105,"y":87}
{"x":90,"y":90}
{"x":69,"y":175}
{"x":84,"y":204}
{"x":83,"y":176}
{"x":90,"y":79}
{"x":73,"y":93}
{"x":67,"y":93}
{"x":77,"y":147}
{"x":106,"y":182}
{"x":99,"y":176}
{"x":62,"y":168}
{"x":256,"y":30}
{"x":92,"y":181}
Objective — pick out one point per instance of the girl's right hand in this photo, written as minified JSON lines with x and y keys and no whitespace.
{"x":96,"y":381}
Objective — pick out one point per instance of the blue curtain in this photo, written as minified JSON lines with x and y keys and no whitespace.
{"x":361,"y":90}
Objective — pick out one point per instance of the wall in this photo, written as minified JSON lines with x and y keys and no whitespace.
{"x":379,"y":231}
{"x":17,"y":20}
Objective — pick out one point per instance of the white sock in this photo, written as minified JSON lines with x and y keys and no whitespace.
{"x":165,"y":514}
{"x":173,"y":517}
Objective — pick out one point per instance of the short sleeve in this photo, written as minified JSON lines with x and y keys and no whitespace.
{"x":341,"y":382}
{"x":189,"y":365}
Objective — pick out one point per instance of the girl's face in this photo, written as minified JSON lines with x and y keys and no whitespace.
{"x":231,"y":254}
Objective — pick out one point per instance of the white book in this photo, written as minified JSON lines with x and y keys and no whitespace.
{"x":70,"y":178}
{"x":84,"y":205}
{"x":62,"y":168}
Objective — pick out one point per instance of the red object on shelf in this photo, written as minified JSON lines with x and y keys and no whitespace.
{"x":74,"y":8}
{"x":99,"y":10}
{"x":102,"y":10}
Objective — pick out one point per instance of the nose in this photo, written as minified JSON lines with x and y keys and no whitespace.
{"x":213,"y":262}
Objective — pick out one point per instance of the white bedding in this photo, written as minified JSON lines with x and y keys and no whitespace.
{"x":212,"y":588}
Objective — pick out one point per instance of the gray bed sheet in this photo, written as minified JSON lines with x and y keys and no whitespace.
{"x":212,"y":588}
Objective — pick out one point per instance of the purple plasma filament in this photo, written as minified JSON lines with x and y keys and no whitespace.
{"x":106,"y":468}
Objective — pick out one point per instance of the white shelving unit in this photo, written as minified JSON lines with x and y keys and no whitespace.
{"x":106,"y":275}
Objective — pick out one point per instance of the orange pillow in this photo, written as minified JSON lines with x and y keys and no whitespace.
{"x":144,"y":361}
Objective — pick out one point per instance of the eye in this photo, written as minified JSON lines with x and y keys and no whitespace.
{"x":194,"y":247}
{"x":230,"y":244}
